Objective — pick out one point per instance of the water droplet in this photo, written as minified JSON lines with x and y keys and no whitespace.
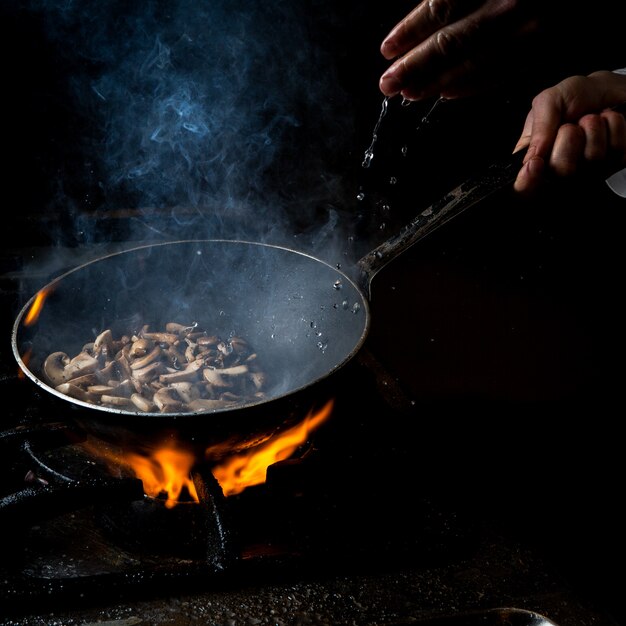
{"x":345,"y":305}
{"x":322,"y":346}
{"x":369,"y":153}
{"x":360,"y":196}
{"x":356,"y":307}
{"x":386,"y":207}
{"x":382,"y":226}
{"x":337,"y":284}
{"x":405,"y":102}
{"x":393,"y":180}
{"x":405,"y":149}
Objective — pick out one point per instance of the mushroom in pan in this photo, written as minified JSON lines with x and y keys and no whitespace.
{"x":181,"y":369}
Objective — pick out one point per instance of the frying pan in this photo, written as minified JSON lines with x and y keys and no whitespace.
{"x":305,"y":318}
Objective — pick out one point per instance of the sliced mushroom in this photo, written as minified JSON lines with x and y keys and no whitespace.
{"x":214,"y":376}
{"x":54,"y":367}
{"x":190,"y":351}
{"x":80,"y":365}
{"x":123,"y":365}
{"x":167,"y":401}
{"x":175,"y":358}
{"x":124,"y":388}
{"x":178,"y":329}
{"x":142,"y":403}
{"x":147,"y":373}
{"x":86,"y":380}
{"x":117,"y":401}
{"x":144,"y":361}
{"x":74,"y":391}
{"x":161,"y":337}
{"x":186,"y":391}
{"x":211,"y":340}
{"x":140,"y":347}
{"x":236,"y":370}
{"x":100,"y":390}
{"x":190,"y":373}
{"x":106,"y":372}
{"x":104,"y":343}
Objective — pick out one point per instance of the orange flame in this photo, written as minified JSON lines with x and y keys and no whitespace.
{"x":167,"y":471}
{"x":35,"y":308}
{"x":246,"y":470}
{"x":164,"y":472}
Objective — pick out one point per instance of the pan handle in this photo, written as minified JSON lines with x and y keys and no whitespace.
{"x":496,"y":176}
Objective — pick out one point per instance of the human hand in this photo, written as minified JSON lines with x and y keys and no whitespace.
{"x":455,"y":48}
{"x":572,"y":128}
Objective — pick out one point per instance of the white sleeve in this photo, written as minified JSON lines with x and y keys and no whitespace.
{"x":617,"y":182}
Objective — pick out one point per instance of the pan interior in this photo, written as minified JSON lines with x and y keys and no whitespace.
{"x":303,"y":317}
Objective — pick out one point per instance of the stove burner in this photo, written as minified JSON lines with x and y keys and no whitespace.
{"x":47,"y":492}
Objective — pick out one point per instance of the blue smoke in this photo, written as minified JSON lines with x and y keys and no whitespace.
{"x":226,"y":108}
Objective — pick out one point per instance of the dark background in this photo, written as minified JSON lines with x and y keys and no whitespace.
{"x":505,"y":327}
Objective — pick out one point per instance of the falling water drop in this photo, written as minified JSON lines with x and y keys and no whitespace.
{"x":426,"y":119}
{"x":369,"y":153}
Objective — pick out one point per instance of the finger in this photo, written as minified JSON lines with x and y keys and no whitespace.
{"x":407,"y":33}
{"x":616,"y":137}
{"x":421,"y":69}
{"x":542,"y":124}
{"x":595,"y":130}
{"x":424,"y":20}
{"x":568,"y":149}
{"x":530,"y":176}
